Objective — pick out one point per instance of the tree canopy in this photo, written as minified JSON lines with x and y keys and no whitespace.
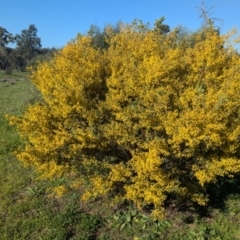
{"x":27,"y":51}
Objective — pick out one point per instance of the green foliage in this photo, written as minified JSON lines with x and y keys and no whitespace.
{"x":28,"y":42}
{"x":135,"y":223}
{"x":44,"y":54}
{"x":99,"y":36}
{"x":28,"y":46}
{"x":5,"y":38}
{"x":161,"y":28}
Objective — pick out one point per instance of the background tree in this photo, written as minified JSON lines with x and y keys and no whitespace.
{"x":5,"y":39}
{"x":28,"y":44}
{"x":44,"y":54}
{"x":160,"y":27}
{"x":99,"y":36}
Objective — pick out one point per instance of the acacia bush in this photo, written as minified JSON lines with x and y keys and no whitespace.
{"x":149,"y":117}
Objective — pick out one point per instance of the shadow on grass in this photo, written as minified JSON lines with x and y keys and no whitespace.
{"x":222,"y":190}
{"x":218,"y":194}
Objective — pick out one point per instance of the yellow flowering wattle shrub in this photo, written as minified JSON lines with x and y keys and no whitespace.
{"x":149,"y":117}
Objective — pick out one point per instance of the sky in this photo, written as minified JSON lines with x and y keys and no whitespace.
{"x":59,"y":21}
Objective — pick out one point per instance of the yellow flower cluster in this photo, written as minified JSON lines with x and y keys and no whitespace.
{"x":59,"y":191}
{"x":147,"y":117}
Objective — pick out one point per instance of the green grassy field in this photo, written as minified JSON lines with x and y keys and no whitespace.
{"x":28,"y":212}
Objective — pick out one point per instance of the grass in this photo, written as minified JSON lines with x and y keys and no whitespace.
{"x":27,"y":211}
